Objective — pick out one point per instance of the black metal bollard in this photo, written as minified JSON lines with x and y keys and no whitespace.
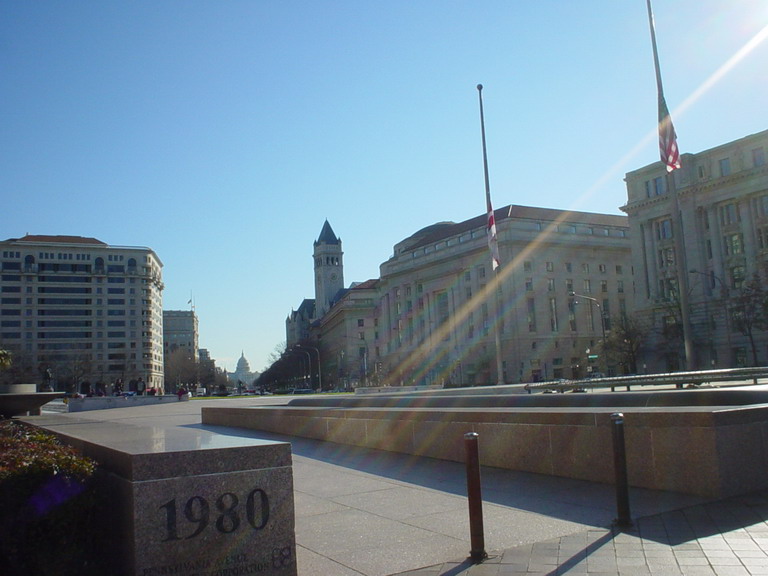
{"x":620,"y":468}
{"x":477,"y":538}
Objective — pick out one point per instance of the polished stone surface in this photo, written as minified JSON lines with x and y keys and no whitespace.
{"x":361,"y":512}
{"x":17,"y":404}
{"x":712,"y":443}
{"x":189,"y":501}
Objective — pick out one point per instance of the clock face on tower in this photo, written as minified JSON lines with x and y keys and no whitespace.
{"x":333,"y":276}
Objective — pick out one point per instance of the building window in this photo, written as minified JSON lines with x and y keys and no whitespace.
{"x":602,"y":268}
{"x":550,"y":284}
{"x":725,"y":166}
{"x":527,"y":266}
{"x":737,"y":277}
{"x":587,"y":286}
{"x":606,"y":315}
{"x":729,"y":214}
{"x":733,"y":244}
{"x":550,"y":267}
{"x":760,"y":205}
{"x":740,"y":356}
{"x":529,"y":284}
{"x":666,"y":257}
{"x":531,"y":315}
{"x":664,"y":229}
{"x":604,"y":286}
{"x":360,"y":322}
{"x":568,"y":267}
{"x":569,"y":285}
{"x":620,"y":286}
{"x":619,"y":269}
{"x":553,"y":314}
{"x":762,"y":238}
{"x":758,"y":157}
{"x":655,"y":187}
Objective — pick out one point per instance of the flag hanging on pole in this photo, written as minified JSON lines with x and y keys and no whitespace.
{"x":670,"y":154}
{"x":493,"y":243}
{"x":668,"y":150}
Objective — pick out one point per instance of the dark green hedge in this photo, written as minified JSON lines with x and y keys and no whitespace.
{"x":48,"y":504}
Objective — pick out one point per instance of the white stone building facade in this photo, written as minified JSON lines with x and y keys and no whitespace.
{"x":718,"y":243}
{"x":440,"y":302}
{"x":89,"y":312}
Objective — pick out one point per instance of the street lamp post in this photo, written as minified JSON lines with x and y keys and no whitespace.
{"x":319,"y":370}
{"x":602,"y":320}
{"x":309,"y":364}
{"x":724,"y":294}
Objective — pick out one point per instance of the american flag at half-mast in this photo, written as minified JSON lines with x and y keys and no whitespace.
{"x":670,"y":154}
{"x":668,"y":150}
{"x":493,"y":243}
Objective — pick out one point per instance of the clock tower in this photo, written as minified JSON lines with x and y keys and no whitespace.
{"x":329,"y":269}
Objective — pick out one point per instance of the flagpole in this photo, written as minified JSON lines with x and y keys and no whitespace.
{"x":670,"y":156}
{"x":493,"y":246}
{"x":653,"y":45}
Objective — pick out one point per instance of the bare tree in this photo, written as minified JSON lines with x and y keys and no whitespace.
{"x":180,"y":368}
{"x":5,"y":359}
{"x":749,"y":311}
{"x":277,"y":353}
{"x":669,"y":327}
{"x":624,"y":343}
{"x":16,"y":367}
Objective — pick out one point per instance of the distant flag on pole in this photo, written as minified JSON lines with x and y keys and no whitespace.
{"x":668,"y":150}
{"x":670,"y":154}
{"x":493,"y":243}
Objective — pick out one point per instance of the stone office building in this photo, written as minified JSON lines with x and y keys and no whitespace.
{"x":430,"y":318}
{"x":348,"y":333}
{"x":564,"y":277}
{"x":719,"y":242}
{"x":180,"y":333}
{"x":88,"y":312}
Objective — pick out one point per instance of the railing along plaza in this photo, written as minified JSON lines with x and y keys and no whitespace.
{"x":677,"y":379}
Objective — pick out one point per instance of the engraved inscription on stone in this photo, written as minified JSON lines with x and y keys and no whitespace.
{"x":216,"y":525}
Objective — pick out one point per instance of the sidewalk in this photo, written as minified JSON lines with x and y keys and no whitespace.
{"x":369,"y":513}
{"x":726,"y":538}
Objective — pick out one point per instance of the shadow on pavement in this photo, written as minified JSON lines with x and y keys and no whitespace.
{"x":564,"y":498}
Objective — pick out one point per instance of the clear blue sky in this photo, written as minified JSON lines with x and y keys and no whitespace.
{"x":223,"y":134}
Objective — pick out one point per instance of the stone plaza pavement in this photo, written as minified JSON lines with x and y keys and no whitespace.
{"x":371,"y":513}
